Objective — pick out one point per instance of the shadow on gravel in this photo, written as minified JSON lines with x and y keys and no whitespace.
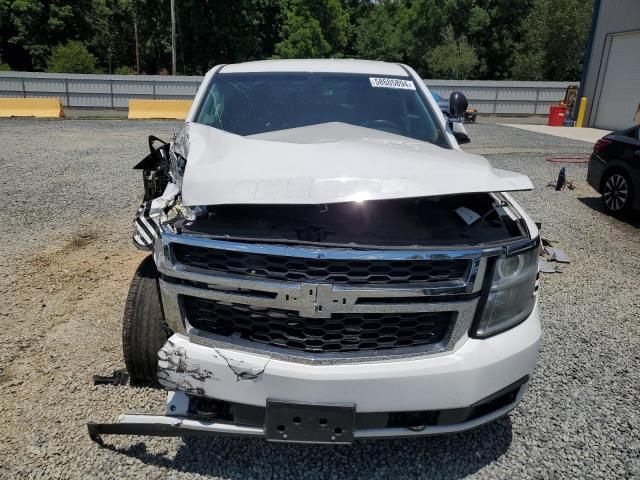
{"x":445,"y":457}
{"x":594,"y":203}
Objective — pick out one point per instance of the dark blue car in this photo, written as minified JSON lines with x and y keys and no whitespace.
{"x":469,"y":115}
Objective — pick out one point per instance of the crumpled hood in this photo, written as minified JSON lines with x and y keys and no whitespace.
{"x":328,"y":163}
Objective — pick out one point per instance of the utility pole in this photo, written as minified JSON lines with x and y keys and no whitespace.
{"x":173,"y":37}
{"x":135,"y":33}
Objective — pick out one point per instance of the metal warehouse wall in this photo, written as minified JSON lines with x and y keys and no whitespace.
{"x":96,"y":91}
{"x":613,"y":16}
{"x":114,"y":91}
{"x":505,"y":97}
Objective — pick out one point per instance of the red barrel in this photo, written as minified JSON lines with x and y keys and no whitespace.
{"x":556,"y":115}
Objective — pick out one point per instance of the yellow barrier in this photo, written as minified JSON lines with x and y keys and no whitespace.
{"x":177,"y":109}
{"x":31,"y":107}
{"x":581,"y":109}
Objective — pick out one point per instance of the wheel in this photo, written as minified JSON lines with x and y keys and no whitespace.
{"x":617,"y":192}
{"x":144,"y":330}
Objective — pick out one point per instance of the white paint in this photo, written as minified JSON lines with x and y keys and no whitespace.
{"x":619,"y":89}
{"x":318,"y":65}
{"x":591,"y":135}
{"x":473,"y":371}
{"x":329,"y":163}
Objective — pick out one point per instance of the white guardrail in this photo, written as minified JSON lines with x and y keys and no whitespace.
{"x":114,"y":91}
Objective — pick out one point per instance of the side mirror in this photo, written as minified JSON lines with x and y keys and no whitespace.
{"x":458,"y":104}
{"x":460,"y":133}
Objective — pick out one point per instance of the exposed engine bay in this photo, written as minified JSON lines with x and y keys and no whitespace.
{"x":432,"y":221}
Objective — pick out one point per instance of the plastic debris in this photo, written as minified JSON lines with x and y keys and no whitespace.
{"x":551,"y":256}
{"x":467,"y":215}
{"x":118,"y":377}
{"x":562,"y":178}
{"x":557,"y":254}
{"x":546,"y":267}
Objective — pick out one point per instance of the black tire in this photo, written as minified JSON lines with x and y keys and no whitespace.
{"x":617,"y":192}
{"x":144,"y":330}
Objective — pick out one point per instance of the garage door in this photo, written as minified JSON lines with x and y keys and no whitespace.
{"x":620,"y":90}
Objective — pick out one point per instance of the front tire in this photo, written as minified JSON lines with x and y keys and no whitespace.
{"x":144,"y":329}
{"x":617,"y":192}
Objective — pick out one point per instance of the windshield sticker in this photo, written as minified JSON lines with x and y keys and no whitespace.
{"x":392,"y":83}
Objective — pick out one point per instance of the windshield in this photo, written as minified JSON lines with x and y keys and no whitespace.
{"x":253,"y":103}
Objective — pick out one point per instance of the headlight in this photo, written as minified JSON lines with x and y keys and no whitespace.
{"x":511,"y":296}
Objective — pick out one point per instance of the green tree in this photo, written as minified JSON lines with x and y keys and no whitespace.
{"x":29,"y":28}
{"x":124,"y":70}
{"x":555,"y":35}
{"x":333,"y":20}
{"x":355,"y":10}
{"x":455,"y":58}
{"x":302,"y":38}
{"x":496,"y":43}
{"x":384,"y":33}
{"x":224,"y":31}
{"x":314,"y":28}
{"x":73,"y":57}
{"x":111,"y":37}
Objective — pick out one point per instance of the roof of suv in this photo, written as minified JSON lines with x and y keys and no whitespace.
{"x":318,"y":65}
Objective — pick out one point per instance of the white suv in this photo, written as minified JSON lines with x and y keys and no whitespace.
{"x":327,"y":264}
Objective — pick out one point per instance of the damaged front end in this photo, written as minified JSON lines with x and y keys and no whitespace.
{"x":318,"y":298}
{"x":162,"y":174}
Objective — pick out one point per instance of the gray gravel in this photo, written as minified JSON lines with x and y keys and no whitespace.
{"x":66,"y":260}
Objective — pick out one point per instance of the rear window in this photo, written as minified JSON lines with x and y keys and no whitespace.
{"x":249,"y":104}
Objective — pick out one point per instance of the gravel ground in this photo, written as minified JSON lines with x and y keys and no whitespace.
{"x":66,"y":259}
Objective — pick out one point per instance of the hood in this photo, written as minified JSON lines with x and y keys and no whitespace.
{"x":329,"y":163}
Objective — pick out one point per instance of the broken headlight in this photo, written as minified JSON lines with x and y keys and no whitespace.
{"x":511,"y":296}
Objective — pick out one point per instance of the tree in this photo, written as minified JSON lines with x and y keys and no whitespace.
{"x":302,"y":38}
{"x":314,"y":28}
{"x":384,"y":33}
{"x":111,"y":36}
{"x":124,"y":70}
{"x":455,"y":58}
{"x":496,"y":43}
{"x":555,"y":35}
{"x":225,"y":31}
{"x":30,"y":27}
{"x":73,"y":57}
{"x":488,"y":39}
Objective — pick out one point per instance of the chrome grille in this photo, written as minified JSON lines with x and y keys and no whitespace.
{"x":344,"y":271}
{"x":350,"y":332}
{"x":240,"y":295}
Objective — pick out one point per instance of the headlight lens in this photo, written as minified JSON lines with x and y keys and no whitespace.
{"x":511,"y":296}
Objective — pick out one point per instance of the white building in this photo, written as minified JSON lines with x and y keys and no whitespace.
{"x":611,"y":77}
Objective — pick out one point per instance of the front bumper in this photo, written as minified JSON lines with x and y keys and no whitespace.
{"x":460,"y":381}
{"x":474,"y":371}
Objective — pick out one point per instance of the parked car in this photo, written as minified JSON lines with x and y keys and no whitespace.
{"x":443,"y":104}
{"x":455,"y":123}
{"x":327,"y":264}
{"x":614,"y":170}
{"x":469,"y":116}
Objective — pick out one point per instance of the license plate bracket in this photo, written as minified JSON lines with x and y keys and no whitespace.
{"x":309,"y":423}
